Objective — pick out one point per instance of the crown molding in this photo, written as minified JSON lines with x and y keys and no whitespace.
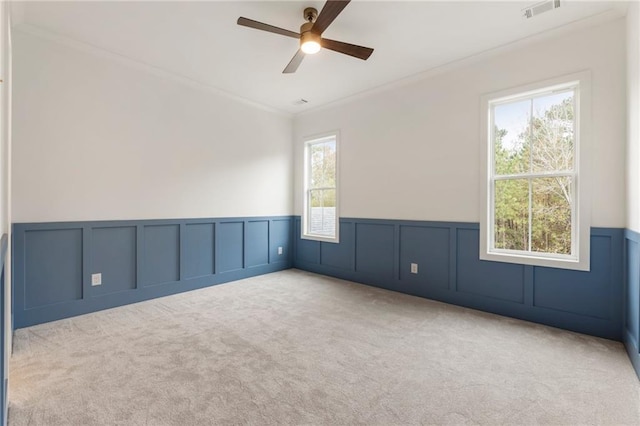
{"x":91,"y":49}
{"x":602,"y":18}
{"x":618,"y":11}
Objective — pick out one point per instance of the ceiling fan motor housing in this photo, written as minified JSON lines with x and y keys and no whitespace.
{"x":307,"y":36}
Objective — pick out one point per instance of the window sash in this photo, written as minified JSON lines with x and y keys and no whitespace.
{"x":529,"y":251}
{"x":323,"y":232}
{"x":530,"y":175}
{"x":328,"y":232}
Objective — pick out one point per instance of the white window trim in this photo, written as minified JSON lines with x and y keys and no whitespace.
{"x":305,"y":196}
{"x":582,"y":206}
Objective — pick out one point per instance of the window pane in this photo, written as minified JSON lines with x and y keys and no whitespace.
{"x":511,"y":214}
{"x":322,"y":212}
{"x":511,"y":137}
{"x":315,"y":211}
{"x":323,"y":165}
{"x":553,"y":133}
{"x":317,"y":158}
{"x":329,"y":198}
{"x":551,"y":215}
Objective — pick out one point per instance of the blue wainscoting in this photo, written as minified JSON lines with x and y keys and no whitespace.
{"x":380,"y":252}
{"x":631,"y":333}
{"x":4,"y":374}
{"x":138,"y":260}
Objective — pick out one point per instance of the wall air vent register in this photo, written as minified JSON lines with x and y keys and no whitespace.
{"x":539,"y":8}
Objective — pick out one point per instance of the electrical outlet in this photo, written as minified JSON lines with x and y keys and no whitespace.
{"x":279,"y":250}
{"x":414,"y":268}
{"x":96,"y":279}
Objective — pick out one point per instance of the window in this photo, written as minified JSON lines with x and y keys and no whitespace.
{"x":320,"y":217}
{"x":534,"y":175}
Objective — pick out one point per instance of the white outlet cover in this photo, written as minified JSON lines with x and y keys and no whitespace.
{"x":279,"y":250}
{"x":414,"y":268}
{"x":96,"y":279}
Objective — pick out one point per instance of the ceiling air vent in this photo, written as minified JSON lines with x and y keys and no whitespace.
{"x":541,"y":7}
{"x":300,"y":102}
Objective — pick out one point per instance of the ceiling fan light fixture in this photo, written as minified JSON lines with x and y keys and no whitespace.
{"x":310,"y":47}
{"x":309,"y":42}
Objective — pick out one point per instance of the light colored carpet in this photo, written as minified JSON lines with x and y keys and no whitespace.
{"x":298,"y":348}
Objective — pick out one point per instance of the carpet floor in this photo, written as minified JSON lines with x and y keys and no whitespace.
{"x":297,"y":348}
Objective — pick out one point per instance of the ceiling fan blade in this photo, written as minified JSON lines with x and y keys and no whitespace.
{"x":329,"y":12}
{"x":294,"y":63}
{"x":246,"y":22}
{"x":359,"y":52}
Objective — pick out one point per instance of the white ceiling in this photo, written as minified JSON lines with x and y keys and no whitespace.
{"x":201,"y":41}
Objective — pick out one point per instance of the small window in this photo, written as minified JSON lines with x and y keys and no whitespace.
{"x":534,"y":181}
{"x":320,"y":218}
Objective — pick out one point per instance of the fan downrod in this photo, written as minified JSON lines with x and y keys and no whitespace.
{"x":310,"y":14}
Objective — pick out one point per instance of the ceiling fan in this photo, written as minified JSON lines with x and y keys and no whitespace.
{"x":310,"y":34}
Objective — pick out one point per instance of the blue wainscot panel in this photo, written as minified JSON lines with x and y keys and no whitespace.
{"x":199,"y":250}
{"x":631,"y":335}
{"x":307,"y":251}
{"x":449,"y":270}
{"x":375,"y":250}
{"x":340,"y":255}
{"x":428,"y":248}
{"x":579,"y":292}
{"x":497,"y":280}
{"x":257,"y":243}
{"x":113,"y":254}
{"x":3,"y":370}
{"x":230,"y":246}
{"x":280,"y":237}
{"x":632,"y":302}
{"x":161,"y":254}
{"x":53,"y":267}
{"x":138,"y":260}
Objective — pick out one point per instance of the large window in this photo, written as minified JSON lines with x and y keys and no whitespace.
{"x":320,"y":218}
{"x":534,"y":181}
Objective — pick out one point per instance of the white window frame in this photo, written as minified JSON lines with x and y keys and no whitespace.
{"x":581,"y":210}
{"x":308,"y":141}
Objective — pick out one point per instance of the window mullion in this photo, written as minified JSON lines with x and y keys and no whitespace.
{"x":309,"y":180}
{"x":530,"y":217}
{"x":531,"y":136}
{"x":309,"y":205}
{"x":535,"y":175}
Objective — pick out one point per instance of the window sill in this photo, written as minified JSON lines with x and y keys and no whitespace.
{"x":548,"y":262}
{"x":334,"y":240}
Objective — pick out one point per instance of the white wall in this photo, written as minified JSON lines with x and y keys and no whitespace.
{"x":4,"y":116}
{"x":633,"y":117}
{"x":96,"y":139}
{"x":5,"y":119}
{"x":413,"y":152}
